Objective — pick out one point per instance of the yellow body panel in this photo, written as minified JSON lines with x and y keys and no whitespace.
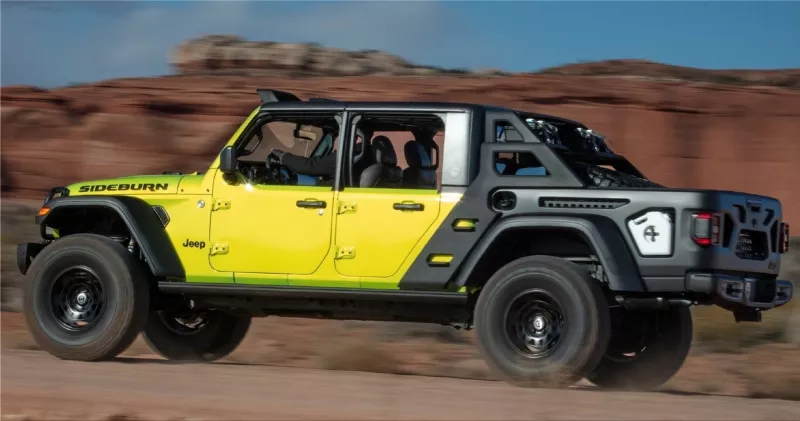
{"x":374,"y":239}
{"x":190,"y":222}
{"x":257,"y":235}
{"x":265,"y":231}
{"x":447,"y":201}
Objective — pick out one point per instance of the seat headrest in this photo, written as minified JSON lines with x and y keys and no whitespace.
{"x":416,"y":155}
{"x":383,"y":151}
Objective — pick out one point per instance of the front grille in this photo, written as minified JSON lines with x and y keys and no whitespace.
{"x":764,"y":291}
{"x":752,"y":245}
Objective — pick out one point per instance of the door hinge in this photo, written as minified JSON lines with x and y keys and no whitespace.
{"x":218,"y":248}
{"x":345,"y":207}
{"x":345,"y":252}
{"x":221,"y":204}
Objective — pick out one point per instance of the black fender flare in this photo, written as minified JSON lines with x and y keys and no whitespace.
{"x":141,"y":220}
{"x":601,"y":234}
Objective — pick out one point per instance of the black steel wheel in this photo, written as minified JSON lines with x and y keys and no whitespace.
{"x":86,"y":298}
{"x":534,"y":323}
{"x":542,"y":321}
{"x":78,"y":299}
{"x":647,"y":348}
{"x":195,"y":335}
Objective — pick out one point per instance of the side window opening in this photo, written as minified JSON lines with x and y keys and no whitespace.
{"x":299,"y":135}
{"x":400,"y":151}
{"x":519,"y":164}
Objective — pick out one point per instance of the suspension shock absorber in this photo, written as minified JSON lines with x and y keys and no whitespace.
{"x":131,"y":244}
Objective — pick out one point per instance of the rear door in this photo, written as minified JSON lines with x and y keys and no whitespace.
{"x":376,"y":229}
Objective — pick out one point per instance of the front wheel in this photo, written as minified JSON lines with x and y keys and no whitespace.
{"x":542,"y":321}
{"x":647,"y":348}
{"x":86,"y":298}
{"x":188,"y":335}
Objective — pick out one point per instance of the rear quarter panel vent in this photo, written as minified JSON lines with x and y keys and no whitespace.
{"x":581,"y":203}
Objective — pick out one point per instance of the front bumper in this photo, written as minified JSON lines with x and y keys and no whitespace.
{"x":741,"y":291}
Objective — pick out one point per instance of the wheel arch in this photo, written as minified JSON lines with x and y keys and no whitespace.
{"x":599,"y":234}
{"x":136,"y":215}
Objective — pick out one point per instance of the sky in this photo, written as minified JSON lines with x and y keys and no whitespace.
{"x":50,"y":44}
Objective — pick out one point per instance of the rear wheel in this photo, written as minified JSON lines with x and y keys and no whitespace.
{"x":542,"y":321}
{"x":647,"y":348}
{"x":187,"y":335}
{"x":86,"y":298}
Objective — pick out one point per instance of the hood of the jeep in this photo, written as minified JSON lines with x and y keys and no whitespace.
{"x":133,"y":185}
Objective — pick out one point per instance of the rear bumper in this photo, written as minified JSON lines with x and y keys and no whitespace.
{"x":730,"y":291}
{"x":743,"y":291}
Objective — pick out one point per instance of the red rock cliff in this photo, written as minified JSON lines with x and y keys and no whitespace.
{"x":681,"y":134}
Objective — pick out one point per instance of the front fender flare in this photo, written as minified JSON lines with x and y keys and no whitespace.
{"x":601,"y":233}
{"x":140,"y":219}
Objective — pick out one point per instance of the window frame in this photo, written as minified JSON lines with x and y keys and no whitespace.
{"x":456,"y":166}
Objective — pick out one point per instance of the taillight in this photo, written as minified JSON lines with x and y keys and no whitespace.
{"x":706,"y":228}
{"x":783,"y":240}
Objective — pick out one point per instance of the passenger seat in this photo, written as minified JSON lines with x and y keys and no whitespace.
{"x":419,"y":173}
{"x":384,"y":172}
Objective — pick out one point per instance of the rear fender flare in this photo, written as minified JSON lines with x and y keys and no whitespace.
{"x":141,"y":220}
{"x":600,"y":233}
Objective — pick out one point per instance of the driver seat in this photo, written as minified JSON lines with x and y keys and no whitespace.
{"x":384,"y":172}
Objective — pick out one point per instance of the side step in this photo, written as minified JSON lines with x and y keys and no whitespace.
{"x":313,"y":293}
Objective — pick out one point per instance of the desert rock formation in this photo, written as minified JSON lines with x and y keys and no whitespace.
{"x":680,"y":133}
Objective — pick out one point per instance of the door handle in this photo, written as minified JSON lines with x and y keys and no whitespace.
{"x":311,"y":203}
{"x":409,"y":206}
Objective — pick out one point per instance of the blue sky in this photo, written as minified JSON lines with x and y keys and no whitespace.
{"x":51,"y":44}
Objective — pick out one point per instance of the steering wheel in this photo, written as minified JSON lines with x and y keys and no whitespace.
{"x":280,"y":173}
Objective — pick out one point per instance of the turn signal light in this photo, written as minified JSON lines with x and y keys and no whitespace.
{"x":706,"y":228}
{"x":43,"y":211}
{"x":783,"y":241}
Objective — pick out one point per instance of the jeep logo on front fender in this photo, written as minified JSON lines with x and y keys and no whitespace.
{"x":194,"y":244}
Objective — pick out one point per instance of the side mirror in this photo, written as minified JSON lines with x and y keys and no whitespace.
{"x":227,"y":161}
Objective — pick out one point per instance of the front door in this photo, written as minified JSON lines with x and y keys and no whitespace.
{"x":280,"y":229}
{"x":376,"y":229}
{"x":262,"y":224}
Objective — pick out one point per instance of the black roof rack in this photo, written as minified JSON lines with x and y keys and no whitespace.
{"x":272,"y":95}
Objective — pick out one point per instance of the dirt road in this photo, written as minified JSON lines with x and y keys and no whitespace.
{"x":38,"y":385}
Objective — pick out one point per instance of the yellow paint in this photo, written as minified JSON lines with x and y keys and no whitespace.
{"x":447,"y":201}
{"x":189,"y":221}
{"x":381,"y":236}
{"x":464,"y":224}
{"x":264,"y":229}
{"x":257,"y":235}
{"x":440,"y":259}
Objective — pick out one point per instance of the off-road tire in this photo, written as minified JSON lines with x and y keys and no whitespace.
{"x":663,"y":355}
{"x":117,"y":287}
{"x":585,"y":332}
{"x":219,"y":336}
